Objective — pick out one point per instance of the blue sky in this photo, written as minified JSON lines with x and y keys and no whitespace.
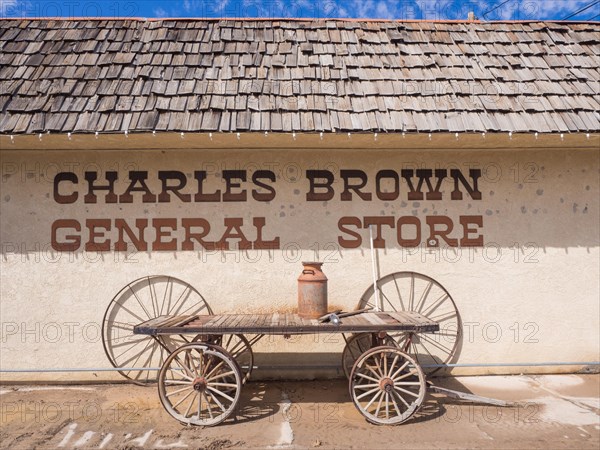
{"x":382,"y":9}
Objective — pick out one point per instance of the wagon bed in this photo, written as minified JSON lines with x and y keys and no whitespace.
{"x":285,"y":324}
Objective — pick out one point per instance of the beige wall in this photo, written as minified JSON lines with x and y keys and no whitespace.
{"x":535,"y":281}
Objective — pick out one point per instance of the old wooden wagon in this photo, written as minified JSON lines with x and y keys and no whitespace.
{"x":162,"y":324}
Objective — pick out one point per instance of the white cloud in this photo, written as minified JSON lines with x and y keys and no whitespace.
{"x":559,"y":9}
{"x":160,"y":13}
{"x":532,"y":10}
{"x":383,"y":11}
{"x":342,"y":12}
{"x":221,"y":5}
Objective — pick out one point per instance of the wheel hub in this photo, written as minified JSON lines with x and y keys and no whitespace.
{"x":199,"y":384}
{"x":386,"y":384}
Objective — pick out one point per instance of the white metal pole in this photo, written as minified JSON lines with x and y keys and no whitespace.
{"x":374,"y":269}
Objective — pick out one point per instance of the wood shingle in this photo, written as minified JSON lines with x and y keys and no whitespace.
{"x":320,"y":75}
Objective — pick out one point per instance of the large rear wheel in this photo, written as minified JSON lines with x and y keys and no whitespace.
{"x":411,"y":291}
{"x":140,"y":356}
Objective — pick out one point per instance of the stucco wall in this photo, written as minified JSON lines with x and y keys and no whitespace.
{"x":529,"y":295}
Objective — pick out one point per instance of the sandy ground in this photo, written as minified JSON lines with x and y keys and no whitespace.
{"x":559,"y":411}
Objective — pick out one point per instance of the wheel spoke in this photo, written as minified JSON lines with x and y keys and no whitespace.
{"x":122,"y":326}
{"x":180,"y":301}
{"x":214,"y":369}
{"x":255,"y":339}
{"x":194,"y":308}
{"x":154,"y":304}
{"x":401,"y":377}
{"x":435,"y":305}
{"x":385,"y":366}
{"x":436,"y":344}
{"x":218,"y":403}
{"x":222,"y":394}
{"x":182,"y":400}
{"x":186,"y":369}
{"x":362,"y":375}
{"x":221,"y":375}
{"x":179,"y":390}
{"x":377,"y":361}
{"x":148,"y":343}
{"x":388,"y":300}
{"x":393,"y":365}
{"x":130,"y":342}
{"x":373,"y":399}
{"x":177,"y":381}
{"x":124,"y":308}
{"x":379,"y":404}
{"x":399,"y":294}
{"x":412,"y":292}
{"x":200,"y":395}
{"x":424,"y":296}
{"x":406,"y":391}
{"x":393,"y":376}
{"x":395,"y":404}
{"x":401,"y":398}
{"x":148,"y":315}
{"x":136,"y":356}
{"x":210,"y":413}
{"x":433,"y":358}
{"x":364,"y":394}
{"x":189,"y":408}
{"x":444,"y":316}
{"x":387,"y":405}
{"x":224,"y":385}
{"x":366,"y":386}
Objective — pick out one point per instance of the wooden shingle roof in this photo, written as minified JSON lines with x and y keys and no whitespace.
{"x":86,"y":76}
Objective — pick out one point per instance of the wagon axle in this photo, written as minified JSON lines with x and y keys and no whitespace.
{"x":386,"y":384}
{"x":200,"y":384}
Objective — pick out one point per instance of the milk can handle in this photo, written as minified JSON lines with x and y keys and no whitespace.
{"x":305,"y":271}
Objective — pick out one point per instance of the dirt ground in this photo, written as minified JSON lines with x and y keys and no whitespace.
{"x":551,"y":411}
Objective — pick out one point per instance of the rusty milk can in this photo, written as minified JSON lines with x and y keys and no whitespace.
{"x":312,"y":291}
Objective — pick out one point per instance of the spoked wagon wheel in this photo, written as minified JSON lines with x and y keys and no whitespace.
{"x":411,"y":291}
{"x":356,"y":346}
{"x":387,"y":386}
{"x":199,"y":384}
{"x":237,"y":346}
{"x":141,"y":300}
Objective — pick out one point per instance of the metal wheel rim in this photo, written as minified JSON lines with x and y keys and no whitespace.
{"x":412,"y":291}
{"x":378,"y":401}
{"x":122,"y":347}
{"x":219,"y":377}
{"x":238,"y":346}
{"x":356,"y":346}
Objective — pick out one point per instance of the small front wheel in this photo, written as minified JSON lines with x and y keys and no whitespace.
{"x":200,"y":384}
{"x":387,"y":386}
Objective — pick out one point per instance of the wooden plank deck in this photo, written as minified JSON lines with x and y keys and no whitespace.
{"x":285,"y":323}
